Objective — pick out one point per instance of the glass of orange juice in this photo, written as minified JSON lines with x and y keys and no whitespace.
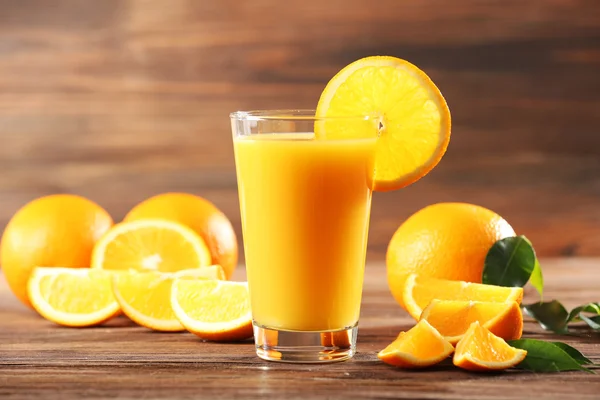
{"x":305,"y":204}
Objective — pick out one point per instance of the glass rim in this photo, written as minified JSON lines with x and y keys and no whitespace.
{"x":292,"y":115}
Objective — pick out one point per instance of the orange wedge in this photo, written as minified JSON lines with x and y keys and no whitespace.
{"x":420,"y":347}
{"x":76,"y":297}
{"x":150,"y":245}
{"x":406,"y":108}
{"x":145,"y":297}
{"x":213,"y":310}
{"x":420,"y":290}
{"x":452,"y":318}
{"x":481,"y":350}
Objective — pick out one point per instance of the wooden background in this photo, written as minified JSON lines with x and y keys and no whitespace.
{"x":118,"y":100}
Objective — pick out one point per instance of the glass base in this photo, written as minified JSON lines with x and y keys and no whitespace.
{"x":305,"y":347}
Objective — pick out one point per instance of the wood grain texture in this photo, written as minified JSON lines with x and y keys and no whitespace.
{"x":118,"y":100}
{"x":120,"y":360}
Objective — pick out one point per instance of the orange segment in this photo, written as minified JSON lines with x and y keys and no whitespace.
{"x":481,"y":350}
{"x":150,"y":245}
{"x":72,"y":297}
{"x":145,"y":296}
{"x":412,"y":117}
{"x":452,"y":318}
{"x":213,"y":310}
{"x":419,"y":291}
{"x":420,"y":347}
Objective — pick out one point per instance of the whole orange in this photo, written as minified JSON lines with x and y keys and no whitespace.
{"x":198,"y":214}
{"x":446,"y":241}
{"x":54,"y":231}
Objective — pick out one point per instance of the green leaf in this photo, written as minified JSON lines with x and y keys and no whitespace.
{"x":551,"y":315}
{"x":510,"y":262}
{"x":574,"y":353}
{"x":593,"y":322}
{"x":574,"y":315}
{"x":537,"y":279}
{"x":546,"y":357}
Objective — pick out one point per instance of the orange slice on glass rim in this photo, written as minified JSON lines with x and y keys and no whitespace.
{"x":402,"y":104}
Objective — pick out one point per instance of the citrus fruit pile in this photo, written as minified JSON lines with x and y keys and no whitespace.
{"x":476,"y":318}
{"x":477,"y":350}
{"x":435,"y":263}
{"x":165,"y":266}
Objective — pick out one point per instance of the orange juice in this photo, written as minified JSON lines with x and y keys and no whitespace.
{"x":305,"y":207}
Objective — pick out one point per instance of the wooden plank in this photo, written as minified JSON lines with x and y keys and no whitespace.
{"x":121,"y":99}
{"x":39,"y":359}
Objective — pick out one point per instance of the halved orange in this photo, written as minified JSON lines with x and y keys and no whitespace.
{"x":213,"y":310}
{"x":76,"y":297}
{"x":420,"y":290}
{"x":145,"y":297}
{"x":419,"y":347}
{"x":412,"y":117}
{"x":150,"y":245}
{"x":452,"y":318}
{"x":198,"y":214}
{"x":481,"y":350}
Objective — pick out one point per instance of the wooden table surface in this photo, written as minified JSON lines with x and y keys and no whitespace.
{"x":120,"y":360}
{"x":118,"y":100}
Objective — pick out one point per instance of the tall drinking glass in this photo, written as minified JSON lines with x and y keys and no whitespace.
{"x":305,"y":203}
